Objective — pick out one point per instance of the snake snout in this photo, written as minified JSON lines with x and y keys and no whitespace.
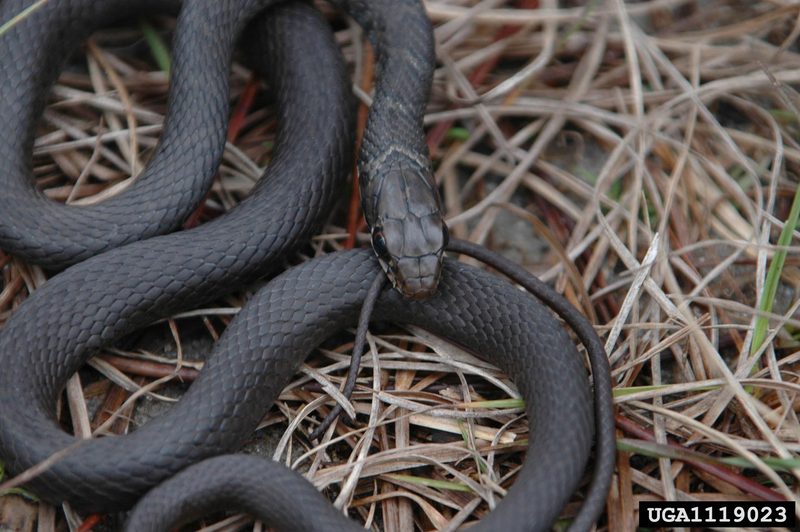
{"x":418,"y":277}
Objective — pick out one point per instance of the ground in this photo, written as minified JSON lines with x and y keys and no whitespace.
{"x":641,"y":157}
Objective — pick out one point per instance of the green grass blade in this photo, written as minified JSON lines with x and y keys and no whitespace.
{"x":774,"y":274}
{"x":429,"y":482}
{"x":158,"y":48}
{"x":497,"y":403}
{"x":657,"y":450}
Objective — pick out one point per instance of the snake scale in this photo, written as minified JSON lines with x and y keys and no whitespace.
{"x":121,"y":275}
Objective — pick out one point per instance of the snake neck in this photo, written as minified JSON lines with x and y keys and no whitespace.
{"x":399,"y":196}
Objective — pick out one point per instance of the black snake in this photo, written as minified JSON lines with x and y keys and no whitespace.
{"x":116,"y":286}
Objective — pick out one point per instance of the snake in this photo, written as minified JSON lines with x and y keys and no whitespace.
{"x":119,"y":276}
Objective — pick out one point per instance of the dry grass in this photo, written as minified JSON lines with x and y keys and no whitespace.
{"x":648,"y":147}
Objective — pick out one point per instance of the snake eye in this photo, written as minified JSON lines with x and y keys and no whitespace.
{"x":379,"y":243}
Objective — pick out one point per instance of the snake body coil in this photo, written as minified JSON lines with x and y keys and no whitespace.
{"x":106,"y":296}
{"x":88,"y":305}
{"x":471,"y":307}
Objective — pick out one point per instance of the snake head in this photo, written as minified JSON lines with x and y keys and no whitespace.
{"x":409,"y":234}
